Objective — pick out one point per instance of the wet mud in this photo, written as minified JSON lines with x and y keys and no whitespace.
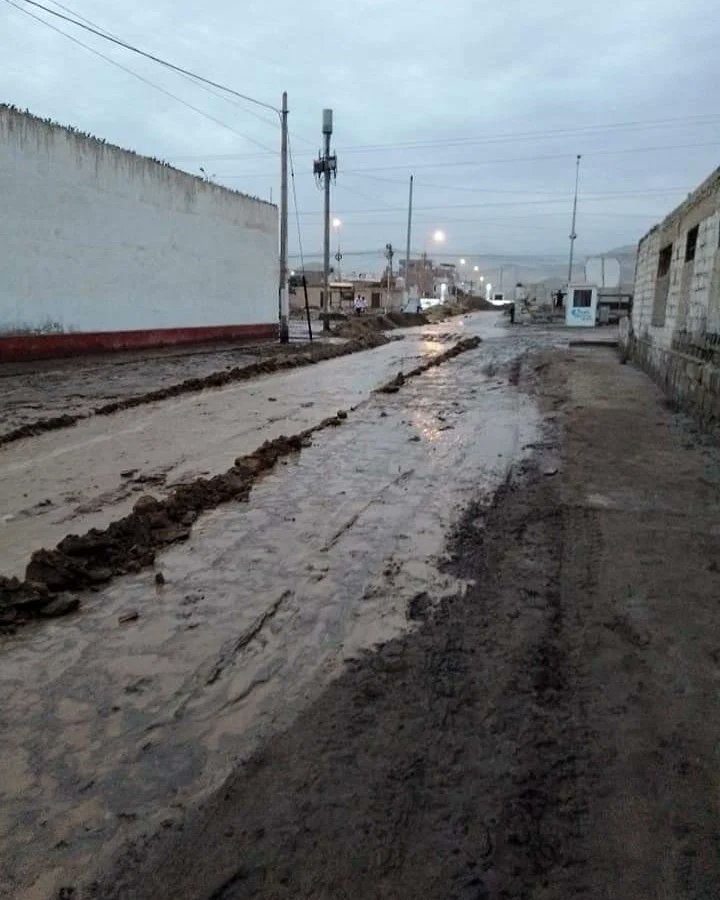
{"x":548,"y":733}
{"x":310,"y":355}
{"x":130,"y":543}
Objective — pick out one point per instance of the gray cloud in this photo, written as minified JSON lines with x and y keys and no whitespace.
{"x":519,"y":86}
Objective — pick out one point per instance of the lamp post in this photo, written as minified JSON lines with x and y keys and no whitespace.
{"x":337,"y":224}
{"x":438,"y":237}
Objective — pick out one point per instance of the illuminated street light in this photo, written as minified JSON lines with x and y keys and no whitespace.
{"x":336,"y":223}
{"x":438,"y":236}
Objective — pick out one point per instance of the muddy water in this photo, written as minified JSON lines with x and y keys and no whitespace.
{"x":72,"y":480}
{"x":110,"y":729}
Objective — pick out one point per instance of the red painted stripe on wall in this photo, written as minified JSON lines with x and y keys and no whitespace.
{"x":16,"y":347}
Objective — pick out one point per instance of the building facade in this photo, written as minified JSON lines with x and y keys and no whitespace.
{"x":675,"y":331}
{"x":105,"y":249}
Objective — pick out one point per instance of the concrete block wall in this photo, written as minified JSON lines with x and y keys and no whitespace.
{"x":96,"y":239}
{"x":683,"y":351}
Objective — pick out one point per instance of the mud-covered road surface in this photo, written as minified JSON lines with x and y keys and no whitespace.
{"x":466,"y":645}
{"x":47,"y":388}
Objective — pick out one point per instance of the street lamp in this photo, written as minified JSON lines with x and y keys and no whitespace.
{"x":462,"y":276}
{"x":438,"y":237}
{"x":336,"y":224}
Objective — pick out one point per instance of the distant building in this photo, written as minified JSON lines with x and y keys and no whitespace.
{"x":342,"y":293}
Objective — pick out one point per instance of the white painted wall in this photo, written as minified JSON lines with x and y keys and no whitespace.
{"x":94,"y":238}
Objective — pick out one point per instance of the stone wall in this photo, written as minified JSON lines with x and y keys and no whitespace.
{"x":674,"y":332}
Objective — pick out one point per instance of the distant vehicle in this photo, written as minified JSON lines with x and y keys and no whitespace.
{"x":498,"y":298}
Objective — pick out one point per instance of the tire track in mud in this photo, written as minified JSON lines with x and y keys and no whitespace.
{"x":131,"y":543}
{"x":452,"y":762}
{"x":310,"y":356}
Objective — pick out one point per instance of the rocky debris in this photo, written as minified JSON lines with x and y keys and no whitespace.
{"x":462,"y":346}
{"x":22,"y":600}
{"x":308,"y":356}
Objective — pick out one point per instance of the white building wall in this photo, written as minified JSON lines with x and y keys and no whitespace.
{"x":95,"y":238}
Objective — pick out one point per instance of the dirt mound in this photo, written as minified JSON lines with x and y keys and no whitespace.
{"x":129,"y":544}
{"x":406,"y":319}
{"x":362,"y":326}
{"x":393,"y":386}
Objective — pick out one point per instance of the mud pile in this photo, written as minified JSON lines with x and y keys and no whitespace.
{"x":406,"y":319}
{"x":365,"y":340}
{"x":393,"y":386}
{"x":130,"y":544}
{"x":362,"y":326}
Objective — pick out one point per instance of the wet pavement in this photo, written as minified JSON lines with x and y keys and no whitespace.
{"x":111,"y":729}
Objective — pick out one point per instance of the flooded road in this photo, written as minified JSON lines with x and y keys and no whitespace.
{"x":114,"y":728}
{"x":85,"y":476}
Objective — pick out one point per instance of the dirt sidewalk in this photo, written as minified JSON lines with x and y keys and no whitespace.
{"x":552,"y":733}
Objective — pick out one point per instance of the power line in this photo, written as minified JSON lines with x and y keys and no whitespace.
{"x":524,"y":191}
{"x":495,"y":203}
{"x":709,"y":119}
{"x":295,"y":206}
{"x":411,"y":167}
{"x":445,"y":164}
{"x":189,"y":78}
{"x":151,"y":84}
{"x":163,"y":62}
{"x":221,"y":96}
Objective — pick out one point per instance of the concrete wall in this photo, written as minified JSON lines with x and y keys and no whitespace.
{"x":98,"y":239}
{"x":675,"y":333}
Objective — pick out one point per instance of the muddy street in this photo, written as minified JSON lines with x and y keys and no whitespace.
{"x":464,"y":644}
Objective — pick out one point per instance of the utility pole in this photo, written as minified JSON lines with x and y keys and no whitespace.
{"x":326,"y":168}
{"x":573,"y":235}
{"x":284,"y":297}
{"x":407,"y":248}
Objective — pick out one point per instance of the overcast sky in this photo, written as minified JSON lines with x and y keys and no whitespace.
{"x":497,"y":98}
